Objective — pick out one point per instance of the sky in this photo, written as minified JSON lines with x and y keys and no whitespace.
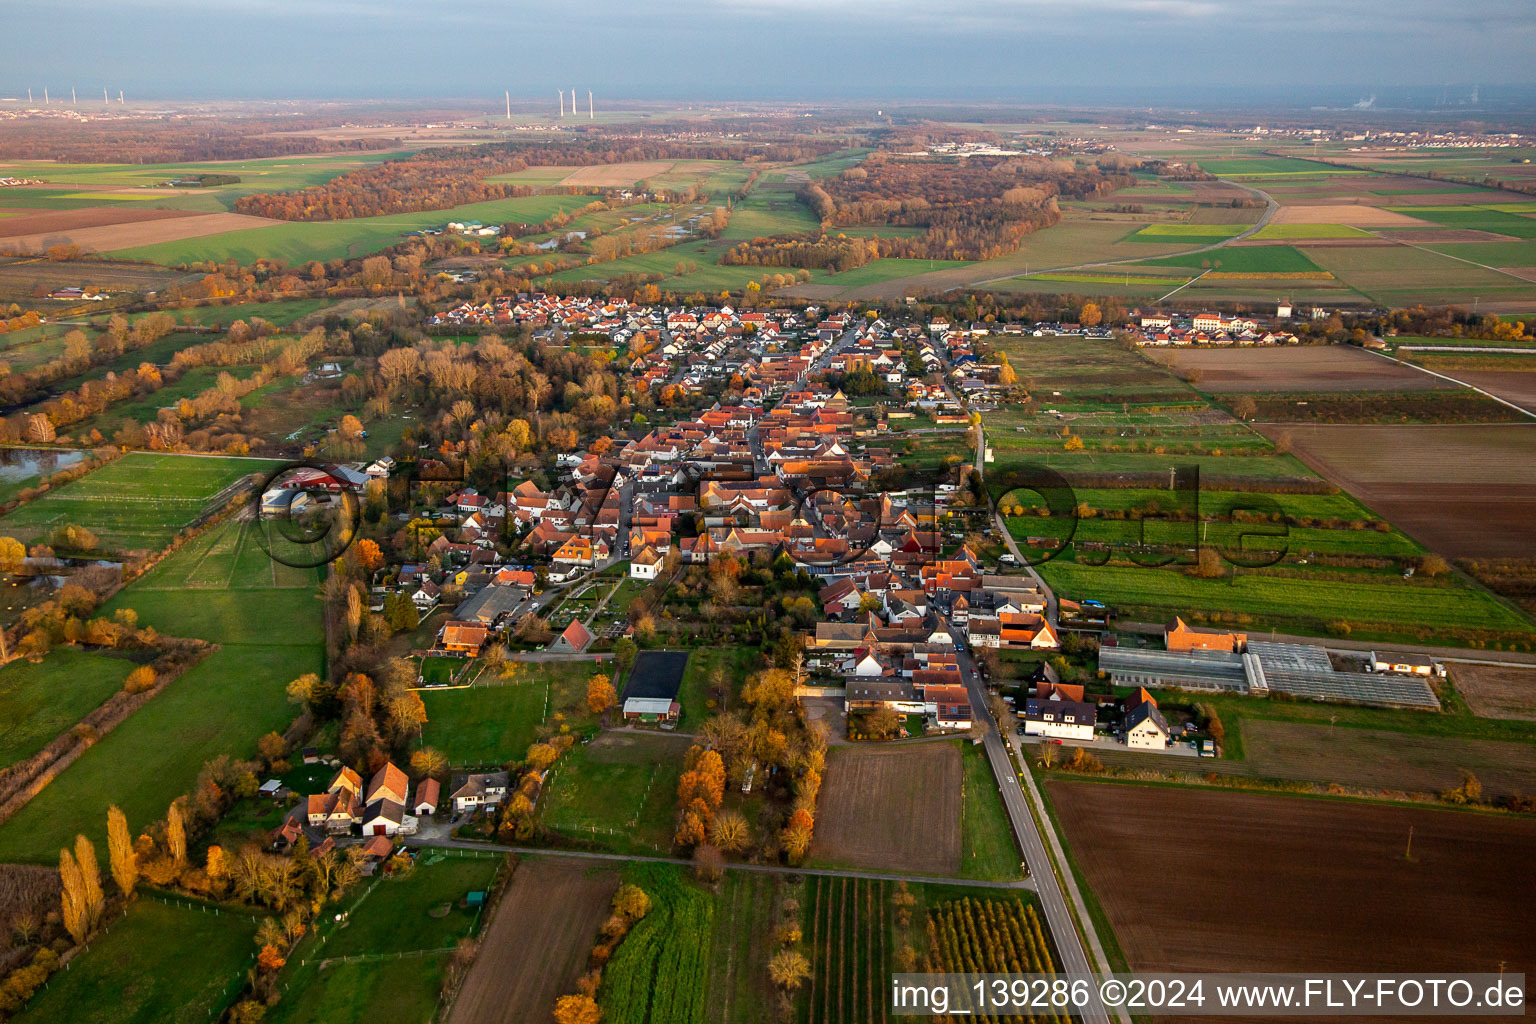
{"x":1138,"y":52}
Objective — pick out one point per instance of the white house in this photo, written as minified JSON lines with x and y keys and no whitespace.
{"x":646,"y":564}
{"x":485,"y":789}
{"x":1059,"y":718}
{"x":1145,"y":727}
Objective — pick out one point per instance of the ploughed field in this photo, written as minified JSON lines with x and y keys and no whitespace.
{"x":1466,"y":491}
{"x":1259,"y":882}
{"x":893,"y":808}
{"x":1306,"y":368}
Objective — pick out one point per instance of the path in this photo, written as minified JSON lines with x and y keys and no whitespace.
{"x":767,"y":869}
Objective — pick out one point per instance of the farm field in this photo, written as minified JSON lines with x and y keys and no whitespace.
{"x":1496,"y":691}
{"x":493,"y":723}
{"x":38,"y":701}
{"x":1303,"y":368}
{"x":266,"y":619}
{"x":891,"y":808}
{"x":21,"y":277}
{"x":138,"y":502}
{"x":536,"y":943}
{"x":748,"y":906}
{"x":299,"y":242}
{"x":1518,"y":387}
{"x":851,"y":950}
{"x":1382,"y":604}
{"x":659,"y":971}
{"x":1467,"y":491}
{"x":158,"y":965}
{"x":113,"y":238}
{"x":618,"y":791}
{"x":1373,"y":759}
{"x":1289,"y":916}
{"x":1402,"y":275}
{"x":1279,"y":260}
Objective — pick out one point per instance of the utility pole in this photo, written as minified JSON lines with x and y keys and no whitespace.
{"x":1408,"y":853}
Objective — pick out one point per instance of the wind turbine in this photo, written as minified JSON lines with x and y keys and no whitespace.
{"x":562,"y":101}
{"x":509,"y":104}
{"x":591,"y":115}
{"x":71,"y":95}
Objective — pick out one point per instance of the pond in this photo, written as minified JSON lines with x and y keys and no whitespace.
{"x":18,"y":464}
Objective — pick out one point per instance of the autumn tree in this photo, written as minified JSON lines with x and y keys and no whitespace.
{"x":600,"y":694}
{"x":577,"y":1009}
{"x":90,"y":881}
{"x":730,"y":832}
{"x":72,"y":898}
{"x":121,"y":858}
{"x":1090,"y":315}
{"x":176,"y":835}
{"x":788,"y":969}
{"x":429,"y":761}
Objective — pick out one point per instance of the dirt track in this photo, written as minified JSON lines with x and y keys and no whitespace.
{"x":1196,"y":880}
{"x":891,"y":808}
{"x":537,"y":942}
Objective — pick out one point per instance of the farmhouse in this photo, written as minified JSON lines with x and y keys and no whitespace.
{"x":1178,"y":636}
{"x":484,"y":789}
{"x":464,"y":637}
{"x":650,"y":694}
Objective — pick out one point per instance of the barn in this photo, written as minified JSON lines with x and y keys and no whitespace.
{"x":650,"y":694}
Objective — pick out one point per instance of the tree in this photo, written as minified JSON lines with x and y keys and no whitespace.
{"x":631,"y":901}
{"x":730,"y":831}
{"x":90,"y":879}
{"x":788,"y":969}
{"x":354,"y":612}
{"x":577,"y":1009}
{"x":624,"y":653}
{"x":12,"y":554}
{"x":272,"y":747}
{"x":600,"y":694}
{"x":176,"y":835}
{"x":708,"y":864}
{"x":72,"y":898}
{"x":429,"y":761}
{"x":1245,"y":407}
{"x":1434,"y":565}
{"x":1091,"y":315}
{"x":140,"y":679}
{"x":120,"y":855}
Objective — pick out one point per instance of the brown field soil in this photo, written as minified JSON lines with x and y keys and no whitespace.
{"x":891,"y":808}
{"x":1466,"y":491}
{"x":1214,"y":192}
{"x":1496,"y":691}
{"x":537,"y":942}
{"x":1437,"y":236}
{"x":19,"y":277}
{"x":1510,"y":385}
{"x":1374,"y":759}
{"x":1260,"y":882}
{"x":109,"y":237}
{"x":1307,"y":368}
{"x":1320,"y":243}
{"x":34,"y":222}
{"x":614,"y":175}
{"x":1346,"y":213}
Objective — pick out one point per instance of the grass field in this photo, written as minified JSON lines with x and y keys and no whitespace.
{"x":299,"y":242}
{"x":158,"y":965}
{"x":494,"y":724}
{"x":765,"y":212}
{"x":659,"y":971}
{"x":1186,"y":232}
{"x":39,"y":701}
{"x":138,"y":502}
{"x":266,"y":619}
{"x":619,"y":792}
{"x":1248,"y":259}
{"x":396,"y":916}
{"x":988,"y":849}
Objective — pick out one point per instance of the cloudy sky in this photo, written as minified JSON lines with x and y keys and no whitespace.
{"x":1123,"y":51}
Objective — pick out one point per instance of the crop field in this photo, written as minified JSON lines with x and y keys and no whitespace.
{"x":659,"y":971}
{"x":1271,"y":167}
{"x":749,"y":905}
{"x":1404,"y":274}
{"x":494,"y":723}
{"x":1248,"y":259}
{"x":1346,"y":215}
{"x":1518,"y":387}
{"x":158,"y":965}
{"x":1257,"y":858}
{"x":1192,"y":233}
{"x":1497,"y":691}
{"x":535,"y":945}
{"x":849,"y":936}
{"x":38,"y":701}
{"x":618,"y":791}
{"x":1464,"y":491}
{"x":893,"y":808}
{"x":1303,"y":599}
{"x":20,"y":278}
{"x":299,"y":242}
{"x":138,"y":502}
{"x":1304,"y":368}
{"x":1281,"y":230}
{"x":1372,"y":759}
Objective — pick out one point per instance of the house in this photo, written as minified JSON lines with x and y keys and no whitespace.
{"x":382,"y":818}
{"x":488,"y":605}
{"x":646,"y":564}
{"x":427,"y":791}
{"x":650,"y":694}
{"x":1145,"y":727}
{"x":573,"y":639}
{"x":1406,"y":664}
{"x":474,"y":791}
{"x":1178,"y":636}
{"x":464,"y":637}
{"x":949,"y":704}
{"x":388,"y":783}
{"x":335,"y":811}
{"x":1059,"y":718}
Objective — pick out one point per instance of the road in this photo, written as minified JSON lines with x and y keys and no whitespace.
{"x":766,"y":869}
{"x":1058,"y":918}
